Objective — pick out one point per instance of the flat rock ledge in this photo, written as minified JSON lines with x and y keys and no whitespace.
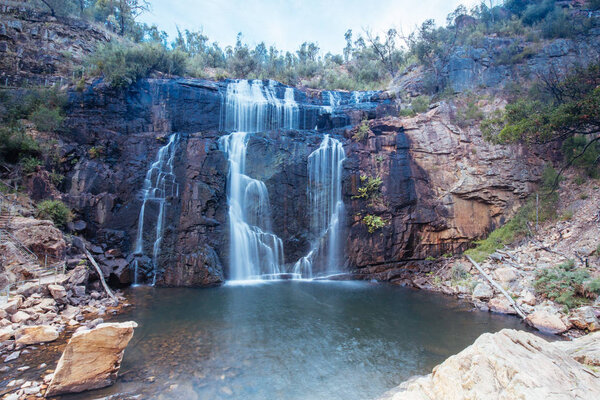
{"x":511,"y":364}
{"x":91,"y":359}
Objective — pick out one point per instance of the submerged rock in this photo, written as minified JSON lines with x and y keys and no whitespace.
{"x":91,"y":359}
{"x":509,"y":364}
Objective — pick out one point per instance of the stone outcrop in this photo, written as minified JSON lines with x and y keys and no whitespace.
{"x":443,"y":186}
{"x":37,"y":49}
{"x":508,"y":365}
{"x":39,"y":236}
{"x":585,"y":350}
{"x":497,"y":61}
{"x":91,"y":359}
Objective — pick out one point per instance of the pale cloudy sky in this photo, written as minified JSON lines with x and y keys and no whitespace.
{"x":288,"y":23}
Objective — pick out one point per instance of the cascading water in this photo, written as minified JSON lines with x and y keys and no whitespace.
{"x":361,"y":97}
{"x":159,"y":185}
{"x":326,"y":205}
{"x":254,"y":251}
{"x":334,"y":99}
{"x":249,"y":107}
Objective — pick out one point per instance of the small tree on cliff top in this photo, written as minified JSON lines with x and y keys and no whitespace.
{"x":565,"y":107}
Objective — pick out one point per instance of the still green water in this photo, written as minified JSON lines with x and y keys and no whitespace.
{"x":290,"y":340}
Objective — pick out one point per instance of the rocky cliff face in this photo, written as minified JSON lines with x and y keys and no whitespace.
{"x":115,"y":136}
{"x":37,"y":49}
{"x":443,"y":186}
{"x":499,"y":62}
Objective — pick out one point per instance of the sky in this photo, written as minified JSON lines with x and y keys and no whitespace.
{"x":288,"y":23}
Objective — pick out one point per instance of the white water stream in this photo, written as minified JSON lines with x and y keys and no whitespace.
{"x":326,"y":207}
{"x":159,"y":185}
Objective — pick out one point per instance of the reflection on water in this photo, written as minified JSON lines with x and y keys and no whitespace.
{"x":290,"y":340}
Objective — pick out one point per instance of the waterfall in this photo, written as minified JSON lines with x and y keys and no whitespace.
{"x":326,"y":207}
{"x":361,"y":97}
{"x":159,"y":186}
{"x":334,"y":99}
{"x":254,"y":251}
{"x":250,"y":106}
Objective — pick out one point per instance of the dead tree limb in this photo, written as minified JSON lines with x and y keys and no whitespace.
{"x":101,"y":276}
{"x":500,"y":288}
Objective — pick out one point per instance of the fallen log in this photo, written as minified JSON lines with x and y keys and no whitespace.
{"x":101,"y":275}
{"x":500,"y":288}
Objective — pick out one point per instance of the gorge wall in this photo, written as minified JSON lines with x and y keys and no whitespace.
{"x":443,"y":186}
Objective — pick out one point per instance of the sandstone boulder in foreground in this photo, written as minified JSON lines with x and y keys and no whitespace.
{"x":507,"y":365}
{"x":91,"y":359}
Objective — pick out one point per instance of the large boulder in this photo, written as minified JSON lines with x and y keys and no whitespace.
{"x":91,"y":359}
{"x":58,"y":293}
{"x":506,"y":275}
{"x":483,"y":291}
{"x":506,"y":365}
{"x":12,"y":306}
{"x":36,"y":334}
{"x":40,"y":236}
{"x":20,"y":317}
{"x":501,"y":305}
{"x":79,"y":276}
{"x":547,"y":322}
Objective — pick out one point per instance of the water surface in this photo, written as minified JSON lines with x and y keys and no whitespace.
{"x":290,"y":340}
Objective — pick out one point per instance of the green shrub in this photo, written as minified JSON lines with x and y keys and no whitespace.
{"x":362,"y":131}
{"x":592,"y":287}
{"x":566,"y":284}
{"x":47,"y":119}
{"x":504,"y":235}
{"x":572,"y":149}
{"x":54,"y":210}
{"x":22,"y":103}
{"x":373,"y":222}
{"x":567,"y":215}
{"x":420,"y":104}
{"x":459,"y":273}
{"x":517,"y":227}
{"x":537,"y":11}
{"x":370,"y":188}
{"x":559,"y":24}
{"x":56,"y":178}
{"x":430,"y":258}
{"x":16,"y":144}
{"x":29,"y":165}
{"x":123,"y":64}
{"x":96,"y":151}
{"x":469,"y":114}
{"x":407,"y":112}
